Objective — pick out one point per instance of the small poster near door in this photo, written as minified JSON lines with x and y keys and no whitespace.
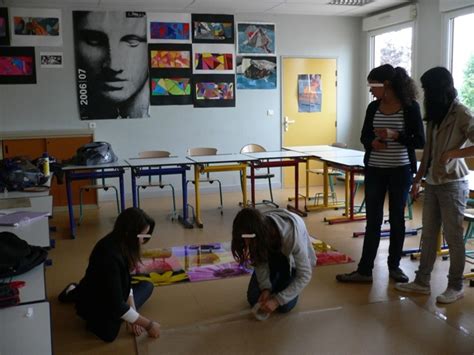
{"x":309,"y":93}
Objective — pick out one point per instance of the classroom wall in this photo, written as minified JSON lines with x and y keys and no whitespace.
{"x":52,"y":103}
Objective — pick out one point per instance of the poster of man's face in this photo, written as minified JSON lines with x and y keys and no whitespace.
{"x":111,"y":64}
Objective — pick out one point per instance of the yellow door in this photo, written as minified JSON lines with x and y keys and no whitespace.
{"x":308,"y":107}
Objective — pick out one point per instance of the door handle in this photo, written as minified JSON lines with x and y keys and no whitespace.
{"x":287,"y":122}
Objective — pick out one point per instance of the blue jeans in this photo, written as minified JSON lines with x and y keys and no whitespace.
{"x":443,"y":205}
{"x":379,"y":181}
{"x":280,"y":277}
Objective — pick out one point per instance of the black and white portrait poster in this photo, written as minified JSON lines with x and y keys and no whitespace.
{"x":111,"y":64}
{"x":51,"y":59}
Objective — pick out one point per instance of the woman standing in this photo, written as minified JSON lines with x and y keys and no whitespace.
{"x":105,"y":297}
{"x":392,"y":130}
{"x":450,"y":127}
{"x":277,"y":244}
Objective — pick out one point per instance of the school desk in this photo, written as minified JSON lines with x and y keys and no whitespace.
{"x":282,"y":158}
{"x":218,"y":163}
{"x":35,"y":285}
{"x":35,"y":232}
{"x":87,"y":172}
{"x":351,"y":165}
{"x":158,"y":167}
{"x":26,"y":329}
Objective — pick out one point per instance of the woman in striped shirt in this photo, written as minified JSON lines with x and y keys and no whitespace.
{"x":392,"y":130}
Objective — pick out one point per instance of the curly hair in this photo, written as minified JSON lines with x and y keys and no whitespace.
{"x":401,"y":83}
{"x":266,"y":241}
{"x":439,"y":92}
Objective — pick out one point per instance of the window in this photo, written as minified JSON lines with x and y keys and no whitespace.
{"x":461,"y":54}
{"x":392,"y":46}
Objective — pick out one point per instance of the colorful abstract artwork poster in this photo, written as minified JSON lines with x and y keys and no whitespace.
{"x":194,"y":263}
{"x":309,"y":93}
{"x":36,"y":27}
{"x":256,"y":38}
{"x":171,"y":91}
{"x":214,"y":90}
{"x":256,"y":72}
{"x":170,"y":74}
{"x":208,"y":28}
{"x":213,"y":59}
{"x":327,"y":255}
{"x":170,"y":59}
{"x":169,"y":28}
{"x":17,"y":65}
{"x":4,"y":27}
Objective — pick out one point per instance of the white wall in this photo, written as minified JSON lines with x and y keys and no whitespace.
{"x":52,"y":104}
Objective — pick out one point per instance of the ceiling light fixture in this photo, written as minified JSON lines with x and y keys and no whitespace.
{"x":350,"y":2}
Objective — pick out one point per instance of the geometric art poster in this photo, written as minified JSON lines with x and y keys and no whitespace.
{"x":36,"y":27}
{"x":170,"y":74}
{"x":256,"y":72}
{"x":17,"y":65}
{"x":169,"y":28}
{"x":256,"y":38}
{"x":4,"y":27}
{"x":208,"y":28}
{"x":309,"y":93}
{"x":213,"y":58}
{"x":111,"y":64}
{"x":214,"y":90}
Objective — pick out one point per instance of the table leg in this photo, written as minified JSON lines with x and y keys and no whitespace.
{"x":197,"y":195}
{"x":72,"y":223}
{"x":244,"y":186}
{"x":185,"y":218}
{"x":252,"y":184}
{"x":122,"y":192}
{"x":134,"y":188}
{"x":295,"y":208}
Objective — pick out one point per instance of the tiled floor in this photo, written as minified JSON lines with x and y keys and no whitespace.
{"x":376,"y":317}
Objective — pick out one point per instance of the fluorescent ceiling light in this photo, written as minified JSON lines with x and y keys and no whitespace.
{"x":350,"y":2}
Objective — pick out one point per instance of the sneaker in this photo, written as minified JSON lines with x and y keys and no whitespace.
{"x":354,"y":276}
{"x":64,"y":296}
{"x":450,"y":295}
{"x":398,"y":275}
{"x":413,"y":287}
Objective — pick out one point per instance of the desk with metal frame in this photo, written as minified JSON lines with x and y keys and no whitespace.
{"x":218,"y":163}
{"x":351,"y":165}
{"x":283,"y":158}
{"x":162,"y":166}
{"x":87,"y":172}
{"x":36,"y":232}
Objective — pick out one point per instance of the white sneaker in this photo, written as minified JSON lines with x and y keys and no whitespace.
{"x":413,"y":287}
{"x":450,"y":296}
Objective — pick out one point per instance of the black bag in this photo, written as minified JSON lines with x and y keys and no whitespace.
{"x":17,"y":256}
{"x":95,"y":153}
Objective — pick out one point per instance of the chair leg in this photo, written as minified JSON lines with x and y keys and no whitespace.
{"x":138,"y":196}
{"x":271,"y":202}
{"x":174,"y":213}
{"x":220,"y":196}
{"x":117,"y":199}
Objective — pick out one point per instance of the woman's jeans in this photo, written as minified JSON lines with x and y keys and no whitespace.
{"x":443,"y":205}
{"x":378,"y":181}
{"x":280,"y":277}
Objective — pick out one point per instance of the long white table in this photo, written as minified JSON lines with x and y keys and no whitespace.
{"x":35,"y":285}
{"x":35,"y":233}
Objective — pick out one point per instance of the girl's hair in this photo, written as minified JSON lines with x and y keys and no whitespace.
{"x":130,"y":223}
{"x":402,"y":85}
{"x":267,"y":238}
{"x":438,"y":87}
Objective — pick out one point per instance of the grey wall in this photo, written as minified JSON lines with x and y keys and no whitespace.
{"x":52,"y":103}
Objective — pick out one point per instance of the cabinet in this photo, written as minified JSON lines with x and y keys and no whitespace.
{"x":59,"y":146}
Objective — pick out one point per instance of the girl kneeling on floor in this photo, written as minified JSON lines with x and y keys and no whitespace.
{"x":105,"y":296}
{"x":277,"y":244}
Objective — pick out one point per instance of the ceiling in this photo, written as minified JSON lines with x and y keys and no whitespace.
{"x":275,"y":7}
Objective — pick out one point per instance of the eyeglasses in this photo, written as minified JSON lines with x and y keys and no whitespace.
{"x":375,"y":85}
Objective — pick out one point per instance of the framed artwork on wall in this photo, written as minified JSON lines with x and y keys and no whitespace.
{"x":256,"y":72}
{"x":4,"y":27}
{"x":168,"y":28}
{"x":213,"y":59}
{"x":36,"y":27}
{"x":256,"y":38}
{"x":207,"y":28}
{"x":214,"y":90}
{"x":17,"y":65}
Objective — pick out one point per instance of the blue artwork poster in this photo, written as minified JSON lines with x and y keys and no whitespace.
{"x":309,"y":93}
{"x":256,"y":38}
{"x":256,"y":72}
